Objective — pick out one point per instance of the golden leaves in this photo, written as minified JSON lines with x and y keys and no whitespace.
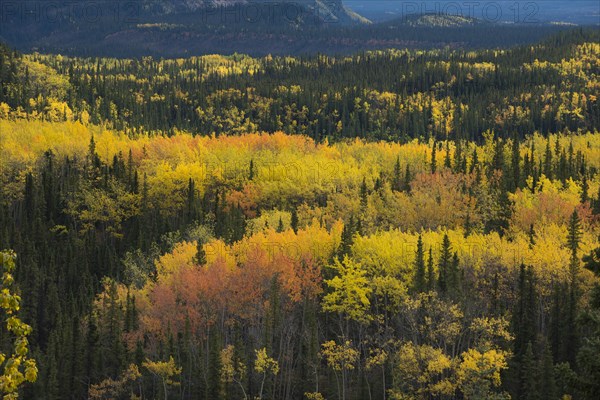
{"x":17,"y":367}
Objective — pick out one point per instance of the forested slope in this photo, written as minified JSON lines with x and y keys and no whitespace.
{"x":395,"y":95}
{"x":180,"y":236}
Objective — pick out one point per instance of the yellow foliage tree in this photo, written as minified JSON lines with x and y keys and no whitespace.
{"x":165,"y":370}
{"x":341,"y":358}
{"x":349,"y":292}
{"x":265,"y":365}
{"x":17,"y":368}
{"x":479,"y":373}
{"x":422,"y":372}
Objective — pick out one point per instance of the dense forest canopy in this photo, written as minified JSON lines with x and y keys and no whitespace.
{"x":392,"y":95}
{"x":387,"y":225}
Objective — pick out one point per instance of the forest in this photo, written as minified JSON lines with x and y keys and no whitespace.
{"x":395,"y":224}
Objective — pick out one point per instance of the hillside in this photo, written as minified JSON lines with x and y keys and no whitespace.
{"x":163,"y":27}
{"x":179,"y":28}
{"x":390,"y":224}
{"x":413,"y":93}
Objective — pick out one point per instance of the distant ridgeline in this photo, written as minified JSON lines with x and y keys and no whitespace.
{"x":178,"y":28}
{"x":550,"y":87}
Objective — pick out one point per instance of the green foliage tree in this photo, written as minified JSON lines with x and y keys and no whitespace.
{"x":419,"y":283}
{"x":444,"y":265}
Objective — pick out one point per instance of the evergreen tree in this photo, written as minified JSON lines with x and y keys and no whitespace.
{"x":420,"y":283}
{"x":525,"y":331}
{"x":528,"y":375}
{"x":548,"y":166}
{"x":364,"y":193}
{"x":587,"y":357}
{"x":294,"y":220}
{"x":347,"y":238}
{"x":596,"y":205}
{"x":444,"y":265}
{"x":214,"y":388}
{"x":251,"y":170}
{"x":574,"y":236}
{"x":592,"y":261}
{"x":191,"y":200}
{"x":585,"y":187}
{"x":397,"y":182}
{"x":454,"y":275}
{"x":498,"y":158}
{"x":557,"y":325}
{"x":433,"y":164}
{"x":515,"y":164}
{"x":501,"y":220}
{"x":447,"y":160}
{"x":547,"y":381}
{"x":468,"y":226}
{"x":531,"y":235}
{"x":563,"y":168}
{"x":474,"y":161}
{"x":525,"y":314}
{"x":431,"y":283}
{"x":458,"y":159}
{"x":573,"y":240}
{"x":408,"y":179}
{"x":200,"y":258}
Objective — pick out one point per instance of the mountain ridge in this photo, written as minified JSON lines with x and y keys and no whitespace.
{"x":178,"y":28}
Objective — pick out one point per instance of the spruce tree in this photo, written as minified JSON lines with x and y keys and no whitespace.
{"x":498,"y":158}
{"x":447,"y":160}
{"x":525,"y":312}
{"x":251,"y":170}
{"x":515,"y":164}
{"x":501,"y":220}
{"x":444,"y":265}
{"x":347,"y":238}
{"x":573,"y":240}
{"x":200,"y":258}
{"x":420,"y":284}
{"x":397,"y":183}
{"x":468,"y":227}
{"x":525,"y":331}
{"x":563,"y":168}
{"x":528,"y":389}
{"x":585,"y":187}
{"x":458,"y":158}
{"x":548,"y":166}
{"x":531,"y":235}
{"x":191,"y":200}
{"x":431,"y":283}
{"x":454,"y":275}
{"x":433,"y":164}
{"x":364,"y":193}
{"x":547,"y":380}
{"x":214,"y":388}
{"x":557,"y":321}
{"x":408,"y":179}
{"x":474,"y":161}
{"x":294,"y":220}
{"x":596,"y":207}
